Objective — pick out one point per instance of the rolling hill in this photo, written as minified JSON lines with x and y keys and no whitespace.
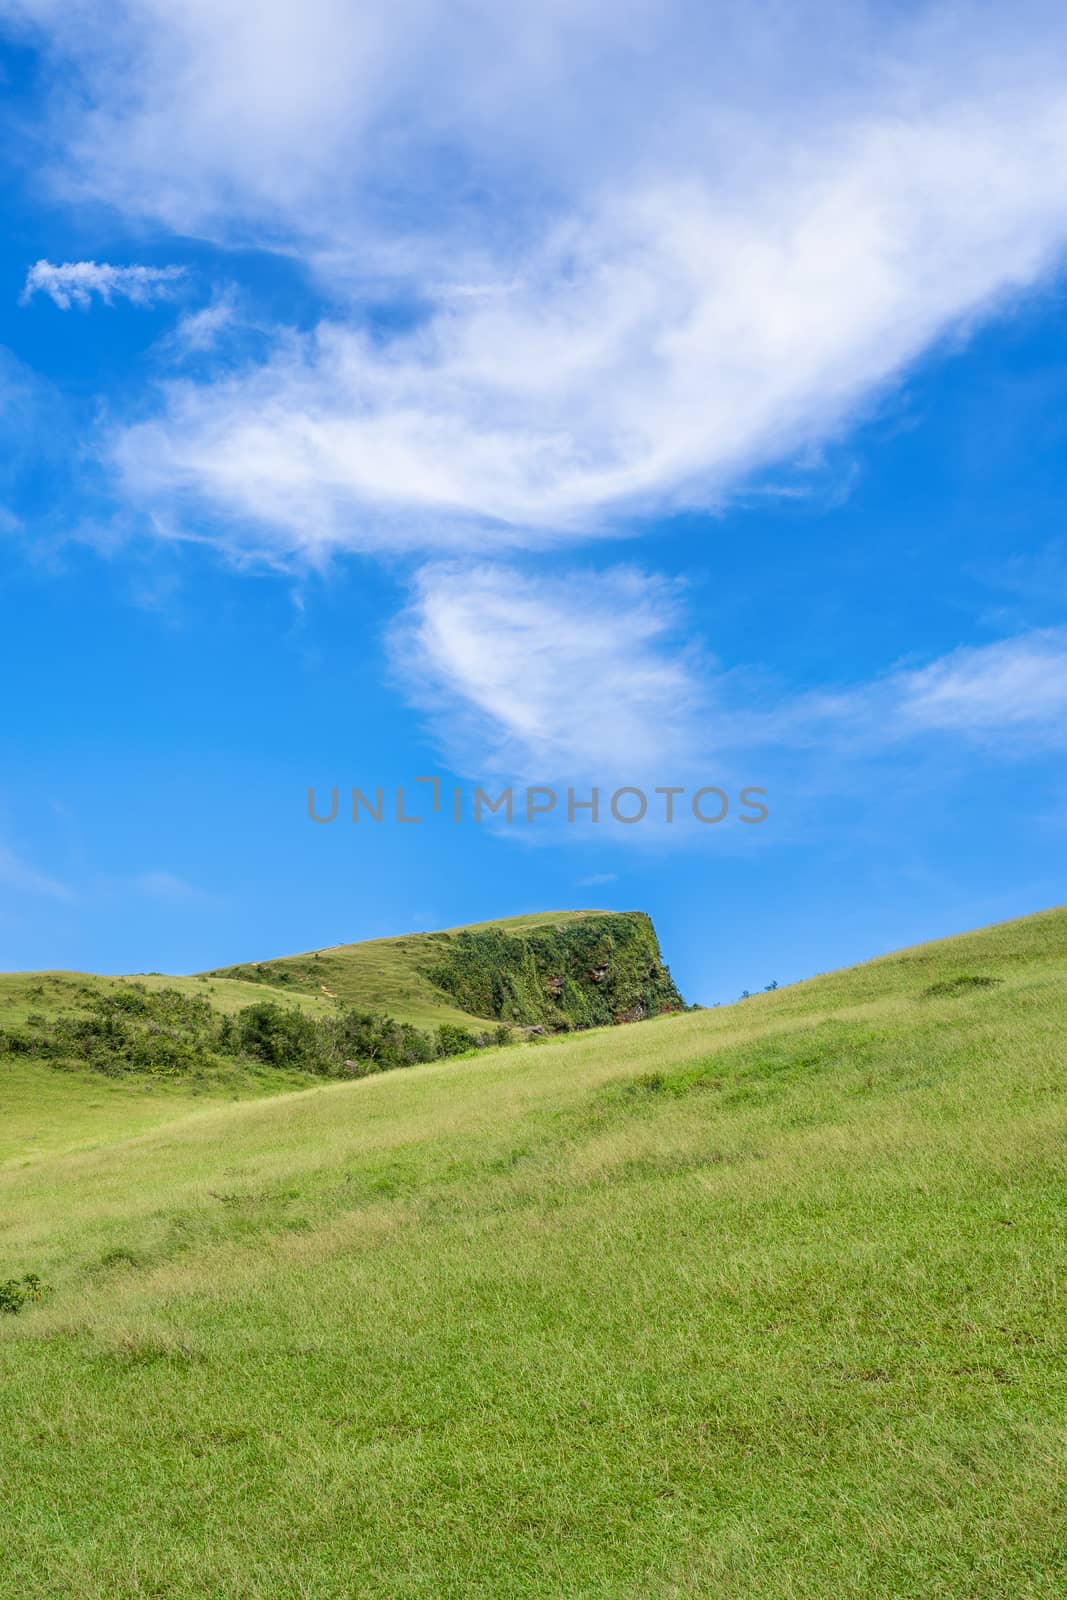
{"x":407,"y":977}
{"x":762,"y":1301}
{"x":232,"y":1033}
{"x":603,"y":953}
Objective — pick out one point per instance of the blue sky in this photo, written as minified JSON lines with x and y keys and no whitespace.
{"x":619,"y":396}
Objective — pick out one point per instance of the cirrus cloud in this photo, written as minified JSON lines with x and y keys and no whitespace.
{"x":628,"y":255}
{"x":569,"y":269}
{"x":541,"y":676}
{"x":583,"y":675}
{"x":648,"y":355}
{"x":73,"y":283}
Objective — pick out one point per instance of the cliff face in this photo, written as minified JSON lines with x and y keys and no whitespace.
{"x":607,"y":968}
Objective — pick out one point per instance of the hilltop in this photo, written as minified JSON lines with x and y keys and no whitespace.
{"x":557,"y":970}
{"x":554,"y":969}
{"x":753,"y":1302}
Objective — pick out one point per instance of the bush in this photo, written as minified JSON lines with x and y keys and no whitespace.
{"x":379,"y":1041}
{"x":453,"y":1040}
{"x":18,"y":1292}
{"x":281,"y":1037}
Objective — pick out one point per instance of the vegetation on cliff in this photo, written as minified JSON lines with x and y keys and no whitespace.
{"x":604,"y":969}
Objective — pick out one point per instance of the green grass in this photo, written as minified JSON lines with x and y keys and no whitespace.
{"x":50,"y":1110}
{"x":22,"y":993}
{"x":764,"y":1301}
{"x":390,"y":975}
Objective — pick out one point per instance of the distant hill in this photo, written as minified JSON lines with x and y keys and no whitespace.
{"x":346,"y":1011}
{"x":556,"y":970}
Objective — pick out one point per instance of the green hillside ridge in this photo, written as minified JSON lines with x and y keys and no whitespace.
{"x":284,"y":1027}
{"x":552,"y":969}
{"x":387,"y":975}
{"x":761,"y":1302}
{"x":22,"y":993}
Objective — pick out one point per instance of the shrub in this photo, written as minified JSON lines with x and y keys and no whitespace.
{"x":18,"y":1292}
{"x":378,"y":1041}
{"x":453,"y":1040}
{"x":280,"y":1036}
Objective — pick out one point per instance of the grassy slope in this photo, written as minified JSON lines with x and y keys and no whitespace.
{"x":43,"y":1109}
{"x":759,"y":1301}
{"x":390,"y":974}
{"x":24,"y":992}
{"x":48,"y":1110}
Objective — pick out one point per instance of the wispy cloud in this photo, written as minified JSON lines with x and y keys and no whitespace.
{"x":653,"y":355}
{"x":200,"y":331}
{"x":579,"y":319}
{"x":636,"y":311}
{"x":596,"y":880}
{"x":1003,"y":688}
{"x":579,"y":675}
{"x":18,"y":875}
{"x":1011,"y":693}
{"x":1026,"y":588}
{"x":75,"y":282}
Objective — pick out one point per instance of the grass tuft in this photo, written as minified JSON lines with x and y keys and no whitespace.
{"x":962,"y":983}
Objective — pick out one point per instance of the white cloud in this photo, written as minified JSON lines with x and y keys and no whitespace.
{"x":1012,"y":687}
{"x":652,"y":354}
{"x":75,"y":282}
{"x":654,"y":248}
{"x":1010,"y":695}
{"x":597,"y":879}
{"x":199,"y":331}
{"x":18,"y":875}
{"x":268,"y":122}
{"x":577,"y":676}
{"x":580,"y":677}
{"x":621,"y":257}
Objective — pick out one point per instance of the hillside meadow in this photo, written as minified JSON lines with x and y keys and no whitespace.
{"x":763,"y":1301}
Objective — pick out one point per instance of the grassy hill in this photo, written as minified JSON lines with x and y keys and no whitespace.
{"x":759,"y":1301}
{"x":23,"y":994}
{"x":389,"y":975}
{"x":407,"y":977}
{"x":270,"y":1026}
